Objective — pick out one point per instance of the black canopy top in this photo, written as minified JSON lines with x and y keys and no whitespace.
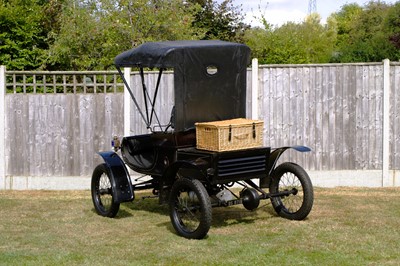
{"x":171,"y":53}
{"x":209,"y":77}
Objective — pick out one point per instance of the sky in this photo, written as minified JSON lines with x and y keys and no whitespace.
{"x":277,"y":12}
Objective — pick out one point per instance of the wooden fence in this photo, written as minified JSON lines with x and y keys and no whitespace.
{"x":335,"y":109}
{"x":57,"y":128}
{"x":54,"y":122}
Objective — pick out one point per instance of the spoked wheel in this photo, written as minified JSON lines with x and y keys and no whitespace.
{"x":190,"y":208}
{"x":293,"y":182}
{"x":102,"y":194}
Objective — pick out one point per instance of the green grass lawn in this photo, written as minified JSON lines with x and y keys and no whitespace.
{"x":347,"y":226}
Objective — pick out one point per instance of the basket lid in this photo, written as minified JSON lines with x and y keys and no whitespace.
{"x":230,"y":122}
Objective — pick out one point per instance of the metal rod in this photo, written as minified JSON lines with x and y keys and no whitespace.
{"x":253,"y":185}
{"x":155,"y":96}
{"x":144,"y":96}
{"x":132,"y":96}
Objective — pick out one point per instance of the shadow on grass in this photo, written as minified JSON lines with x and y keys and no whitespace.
{"x":127,"y":209}
{"x":121,"y":213}
{"x":150,"y":205}
{"x":226,"y":216}
{"x":221,"y":216}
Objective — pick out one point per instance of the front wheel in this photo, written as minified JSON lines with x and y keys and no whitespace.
{"x":190,"y":208}
{"x":102,"y":193}
{"x":293,"y":182}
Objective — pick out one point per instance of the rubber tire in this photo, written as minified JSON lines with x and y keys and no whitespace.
{"x":304,"y":197}
{"x":203,"y":205}
{"x":103,"y":203}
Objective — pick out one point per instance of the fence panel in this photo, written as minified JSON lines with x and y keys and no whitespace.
{"x":59,"y":134}
{"x":334,"y":109}
{"x":57,"y":121}
{"x":395,"y":116}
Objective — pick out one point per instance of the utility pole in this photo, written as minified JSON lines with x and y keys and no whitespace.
{"x":312,"y":6}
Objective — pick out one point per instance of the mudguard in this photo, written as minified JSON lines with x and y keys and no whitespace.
{"x":273,"y":159}
{"x":120,"y":179}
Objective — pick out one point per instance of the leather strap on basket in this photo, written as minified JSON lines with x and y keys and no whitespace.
{"x":230,"y":132}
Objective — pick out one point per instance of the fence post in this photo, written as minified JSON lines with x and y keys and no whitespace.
{"x":386,"y":124}
{"x":2,"y":126}
{"x":127,"y":103}
{"x":254,"y":88}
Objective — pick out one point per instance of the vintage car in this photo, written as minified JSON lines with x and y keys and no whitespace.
{"x":209,"y":86}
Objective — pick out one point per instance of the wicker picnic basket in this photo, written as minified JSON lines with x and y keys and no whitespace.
{"x":228,"y":135}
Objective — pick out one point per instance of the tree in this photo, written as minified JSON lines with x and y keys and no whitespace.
{"x":316,"y":39}
{"x":392,"y":24}
{"x":367,"y":34}
{"x":23,"y":40}
{"x":76,"y":43}
{"x":219,"y":21}
{"x":292,"y":43}
{"x":93,"y":32}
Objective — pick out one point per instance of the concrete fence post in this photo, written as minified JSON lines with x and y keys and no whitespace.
{"x":254,"y":89}
{"x":386,"y":125}
{"x":2,"y":127}
{"x":127,"y":103}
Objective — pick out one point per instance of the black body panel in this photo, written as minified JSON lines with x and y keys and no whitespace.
{"x":229,"y":166}
{"x":152,"y":154}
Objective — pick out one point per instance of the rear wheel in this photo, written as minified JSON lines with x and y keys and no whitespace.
{"x":102,"y":193}
{"x":293,"y":180}
{"x":190,"y":208}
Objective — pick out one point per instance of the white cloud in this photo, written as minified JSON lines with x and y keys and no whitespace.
{"x":276,"y":17}
{"x":277,"y":12}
